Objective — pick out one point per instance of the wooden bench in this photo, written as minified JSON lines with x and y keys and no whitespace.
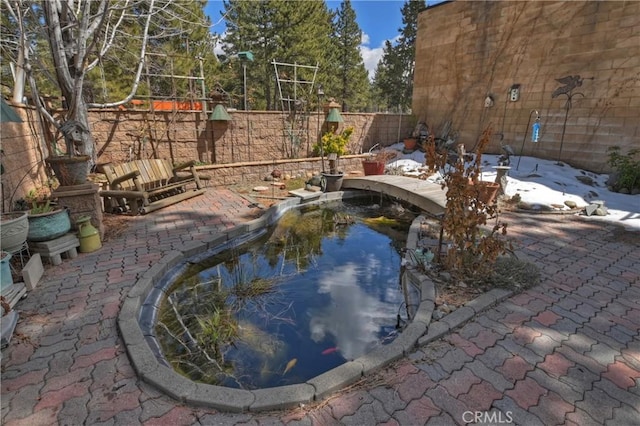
{"x":142,"y":186}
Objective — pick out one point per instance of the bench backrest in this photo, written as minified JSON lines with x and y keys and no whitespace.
{"x":154,"y":173}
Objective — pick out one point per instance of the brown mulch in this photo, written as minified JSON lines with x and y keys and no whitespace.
{"x":115,"y":225}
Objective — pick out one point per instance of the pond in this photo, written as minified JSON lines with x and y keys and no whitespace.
{"x":319,"y":288}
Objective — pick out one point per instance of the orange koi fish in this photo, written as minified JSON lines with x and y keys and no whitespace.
{"x":290,"y":365}
{"x":330,"y":350}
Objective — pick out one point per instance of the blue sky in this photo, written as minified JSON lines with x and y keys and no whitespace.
{"x":379,"y":21}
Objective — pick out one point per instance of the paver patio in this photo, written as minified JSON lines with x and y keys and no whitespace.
{"x":564,"y":352}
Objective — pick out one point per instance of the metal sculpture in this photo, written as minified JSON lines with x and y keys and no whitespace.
{"x":569,"y":82}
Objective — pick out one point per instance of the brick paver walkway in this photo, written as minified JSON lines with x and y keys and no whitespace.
{"x":566,"y":352}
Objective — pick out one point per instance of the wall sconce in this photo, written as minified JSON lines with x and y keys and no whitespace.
{"x":334,"y":116}
{"x":7,"y":114}
{"x":219,"y":114}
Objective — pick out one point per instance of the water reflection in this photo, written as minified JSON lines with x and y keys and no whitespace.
{"x":320,"y":289}
{"x":354,"y":317}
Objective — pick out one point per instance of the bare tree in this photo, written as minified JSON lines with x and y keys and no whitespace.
{"x":79,"y":34}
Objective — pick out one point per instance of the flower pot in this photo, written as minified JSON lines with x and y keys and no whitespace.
{"x":6,"y":279}
{"x":410,"y":144}
{"x":14,"y":227}
{"x":331,"y":182}
{"x":49,"y":226}
{"x":487,"y":191}
{"x":70,"y":170}
{"x":373,"y":167}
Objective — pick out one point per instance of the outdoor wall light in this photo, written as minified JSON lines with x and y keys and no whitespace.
{"x":219,"y":114}
{"x":334,"y":116}
{"x":245,"y":56}
{"x":7,"y":114}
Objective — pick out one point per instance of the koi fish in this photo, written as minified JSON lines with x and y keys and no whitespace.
{"x":330,"y":350}
{"x":290,"y":365}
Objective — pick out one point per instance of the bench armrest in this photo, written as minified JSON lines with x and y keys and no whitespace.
{"x":131,"y":175}
{"x":184,"y":165}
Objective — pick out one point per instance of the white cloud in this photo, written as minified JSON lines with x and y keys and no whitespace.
{"x":219,"y":47}
{"x":371,"y":56}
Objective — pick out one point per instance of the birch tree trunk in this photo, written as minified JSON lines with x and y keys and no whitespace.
{"x":72,"y":35}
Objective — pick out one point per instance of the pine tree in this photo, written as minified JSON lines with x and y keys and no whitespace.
{"x":352,"y":83}
{"x":280,"y":30}
{"x":393,"y":80}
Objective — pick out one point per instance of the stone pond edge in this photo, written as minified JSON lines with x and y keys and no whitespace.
{"x":420,"y":331}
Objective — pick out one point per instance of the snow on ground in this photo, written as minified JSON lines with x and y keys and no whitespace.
{"x":543,"y":184}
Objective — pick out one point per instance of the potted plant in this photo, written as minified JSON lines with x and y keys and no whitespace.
{"x":411,"y":141}
{"x":376,"y":162}
{"x":47,"y":220}
{"x":333,"y":145}
{"x":13,"y":225}
{"x":70,"y":167}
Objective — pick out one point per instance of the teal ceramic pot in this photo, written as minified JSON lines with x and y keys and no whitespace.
{"x":6,"y":280}
{"x":48,"y":226}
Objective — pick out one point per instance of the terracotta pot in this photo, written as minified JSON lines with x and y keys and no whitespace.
{"x":410,"y":144}
{"x":373,"y":167}
{"x":49,"y":226}
{"x":487,"y":191}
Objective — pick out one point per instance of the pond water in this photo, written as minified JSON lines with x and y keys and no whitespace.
{"x":320,"y":288}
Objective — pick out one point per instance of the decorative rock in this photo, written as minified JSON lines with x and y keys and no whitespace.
{"x":571,"y":204}
{"x":590,"y":209}
{"x":522,"y":205}
{"x":602,"y":211}
{"x":261,"y":188}
{"x":445,"y":308}
{"x":438,"y":315}
{"x":315,"y":180}
{"x":585,"y":179}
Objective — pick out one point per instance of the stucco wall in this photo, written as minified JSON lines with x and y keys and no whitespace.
{"x":22,"y":158}
{"x":468,"y":50}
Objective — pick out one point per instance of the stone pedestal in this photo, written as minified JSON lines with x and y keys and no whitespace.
{"x":82,"y":200}
{"x":53,"y":249}
{"x":501,"y":177}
